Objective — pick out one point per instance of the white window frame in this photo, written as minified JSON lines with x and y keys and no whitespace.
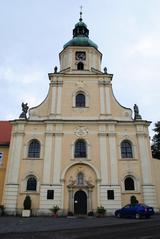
{"x":80,"y":91}
{"x":1,"y":157}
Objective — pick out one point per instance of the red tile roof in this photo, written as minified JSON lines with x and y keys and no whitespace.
{"x":5,"y":132}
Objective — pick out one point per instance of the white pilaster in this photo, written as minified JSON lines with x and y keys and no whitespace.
{"x":113,"y":158}
{"x":57,"y":158}
{"x":15,"y":157}
{"x":108,"y":107}
{"x":59,"y":98}
{"x":102,"y":100}
{"x":11,"y":159}
{"x":103,"y":157}
{"x":47,"y":158}
{"x":54,"y":97}
{"x":11,"y":185}
{"x":145,"y":160}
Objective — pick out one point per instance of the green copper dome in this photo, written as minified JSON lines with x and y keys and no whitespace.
{"x":80,"y":41}
{"x":80,"y":36}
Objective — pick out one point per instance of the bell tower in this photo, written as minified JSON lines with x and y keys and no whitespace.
{"x":80,"y":53}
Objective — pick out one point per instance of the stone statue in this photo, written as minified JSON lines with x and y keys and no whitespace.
{"x":136,"y":113}
{"x":105,"y":70}
{"x":25,"y":108}
{"x":55,"y":69}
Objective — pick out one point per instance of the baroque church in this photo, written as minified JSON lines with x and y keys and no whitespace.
{"x":79,"y":148}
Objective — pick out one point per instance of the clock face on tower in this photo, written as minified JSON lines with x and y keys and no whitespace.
{"x":80,"y":55}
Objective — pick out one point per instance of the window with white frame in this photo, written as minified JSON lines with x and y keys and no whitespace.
{"x":1,"y":157}
{"x":80,"y":150}
{"x":80,"y":99}
{"x":31,"y":184}
{"x":129,"y":184}
{"x":126,"y":149}
{"x":34,"y":149}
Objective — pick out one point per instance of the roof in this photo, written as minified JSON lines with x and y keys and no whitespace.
{"x":5,"y":132}
{"x":80,"y":36}
{"x":81,"y":41}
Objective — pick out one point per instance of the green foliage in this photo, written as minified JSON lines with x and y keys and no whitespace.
{"x":27,"y":203}
{"x":133,"y":200}
{"x":90,"y":214}
{"x":156,"y":141}
{"x":101,"y":210}
{"x":55,"y":209}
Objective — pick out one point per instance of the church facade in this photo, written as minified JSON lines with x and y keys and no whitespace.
{"x":79,"y":148}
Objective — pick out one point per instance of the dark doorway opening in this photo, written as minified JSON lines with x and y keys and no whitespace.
{"x":80,"y":202}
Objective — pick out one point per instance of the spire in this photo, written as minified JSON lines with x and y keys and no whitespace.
{"x":80,"y":35}
{"x":80,"y":14}
{"x":80,"y":28}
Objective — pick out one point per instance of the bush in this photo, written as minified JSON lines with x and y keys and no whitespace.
{"x":27,"y":203}
{"x":55,"y":209}
{"x":101,"y":210}
{"x":133,"y":200}
{"x":90,"y":214}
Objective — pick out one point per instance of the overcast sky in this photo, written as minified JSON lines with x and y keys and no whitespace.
{"x":33,"y":32}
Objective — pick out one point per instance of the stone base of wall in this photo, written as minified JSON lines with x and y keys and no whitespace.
{"x":149,"y":195}
{"x":47,"y":204}
{"x":10,"y":198}
{"x":110,"y":204}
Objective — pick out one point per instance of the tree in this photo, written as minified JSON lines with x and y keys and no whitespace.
{"x":156,"y":141}
{"x":133,"y":200}
{"x":27,"y":203}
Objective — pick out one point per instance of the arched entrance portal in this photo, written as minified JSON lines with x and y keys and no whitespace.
{"x":80,"y":202}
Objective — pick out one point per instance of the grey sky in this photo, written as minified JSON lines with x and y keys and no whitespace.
{"x":33,"y":32}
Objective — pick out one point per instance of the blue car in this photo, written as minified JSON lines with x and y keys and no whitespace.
{"x":137,"y":211}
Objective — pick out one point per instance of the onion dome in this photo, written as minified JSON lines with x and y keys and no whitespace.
{"x":80,"y":36}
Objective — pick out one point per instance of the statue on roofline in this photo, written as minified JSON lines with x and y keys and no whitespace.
{"x":136,"y":113}
{"x":25,"y":108}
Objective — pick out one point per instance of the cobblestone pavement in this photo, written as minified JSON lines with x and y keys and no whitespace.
{"x":60,"y":228}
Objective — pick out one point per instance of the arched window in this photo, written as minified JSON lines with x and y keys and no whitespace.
{"x":34,"y":149}
{"x":31,"y":184}
{"x":80,"y":100}
{"x":80,"y":149}
{"x":129,"y":184}
{"x":80,"y":179}
{"x":80,"y":66}
{"x":126,"y":149}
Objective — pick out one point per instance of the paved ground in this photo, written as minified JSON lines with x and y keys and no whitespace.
{"x":33,"y":224}
{"x":63,"y":228}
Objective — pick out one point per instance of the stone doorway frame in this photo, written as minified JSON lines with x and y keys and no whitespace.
{"x":73,"y":188}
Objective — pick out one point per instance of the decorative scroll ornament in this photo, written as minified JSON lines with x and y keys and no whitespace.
{"x":81,"y":131}
{"x":80,"y":83}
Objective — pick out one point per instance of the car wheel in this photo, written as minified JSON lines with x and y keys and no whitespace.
{"x":118,"y":215}
{"x":138,"y":216}
{"x":148,"y":216}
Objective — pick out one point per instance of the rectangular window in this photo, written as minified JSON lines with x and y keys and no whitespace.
{"x":110,"y":194}
{"x":50,"y":194}
{"x":1,"y":157}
